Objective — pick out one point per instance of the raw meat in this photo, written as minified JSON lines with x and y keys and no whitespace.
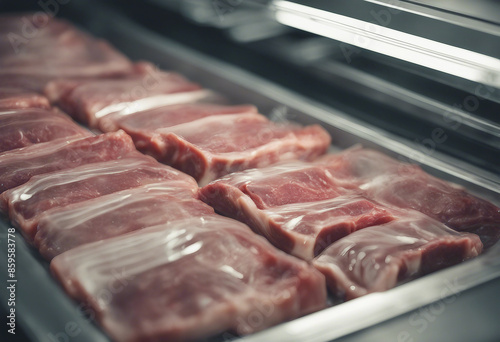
{"x":24,"y":83}
{"x":293,"y":204}
{"x":57,"y":89}
{"x":189,"y":280}
{"x":13,"y":98}
{"x":25,"y":127}
{"x":89,"y":100}
{"x":141,"y":125}
{"x":116,"y":214}
{"x":276,"y":185}
{"x":289,"y":203}
{"x":41,"y":24}
{"x":306,"y":229}
{"x":378,"y":258}
{"x":402,"y":185}
{"x":18,"y":166}
{"x":27,"y":202}
{"x":49,"y":47}
{"x":300,"y":207}
{"x":361,"y":165}
{"x":214,"y":146}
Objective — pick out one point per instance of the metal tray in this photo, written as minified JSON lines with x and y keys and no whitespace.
{"x":44,"y":311}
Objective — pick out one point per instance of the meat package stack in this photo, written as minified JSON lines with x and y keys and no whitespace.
{"x":366,"y":221}
{"x":102,"y":213}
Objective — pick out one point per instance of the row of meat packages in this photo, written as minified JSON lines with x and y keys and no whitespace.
{"x":69,"y":191}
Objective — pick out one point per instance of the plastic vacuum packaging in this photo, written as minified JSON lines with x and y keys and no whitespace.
{"x":89,"y":100}
{"x":19,"y":165}
{"x":189,"y":279}
{"x":25,"y":127}
{"x":26,"y":203}
{"x":116,"y":214}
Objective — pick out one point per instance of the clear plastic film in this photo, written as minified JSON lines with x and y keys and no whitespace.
{"x":212,"y":270}
{"x":57,"y":189}
{"x":18,"y":166}
{"x":116,"y":214}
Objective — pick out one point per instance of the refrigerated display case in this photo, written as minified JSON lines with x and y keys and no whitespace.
{"x":384,"y":74}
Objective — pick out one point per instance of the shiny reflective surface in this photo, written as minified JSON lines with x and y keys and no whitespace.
{"x":189,"y":279}
{"x":432,"y":54}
